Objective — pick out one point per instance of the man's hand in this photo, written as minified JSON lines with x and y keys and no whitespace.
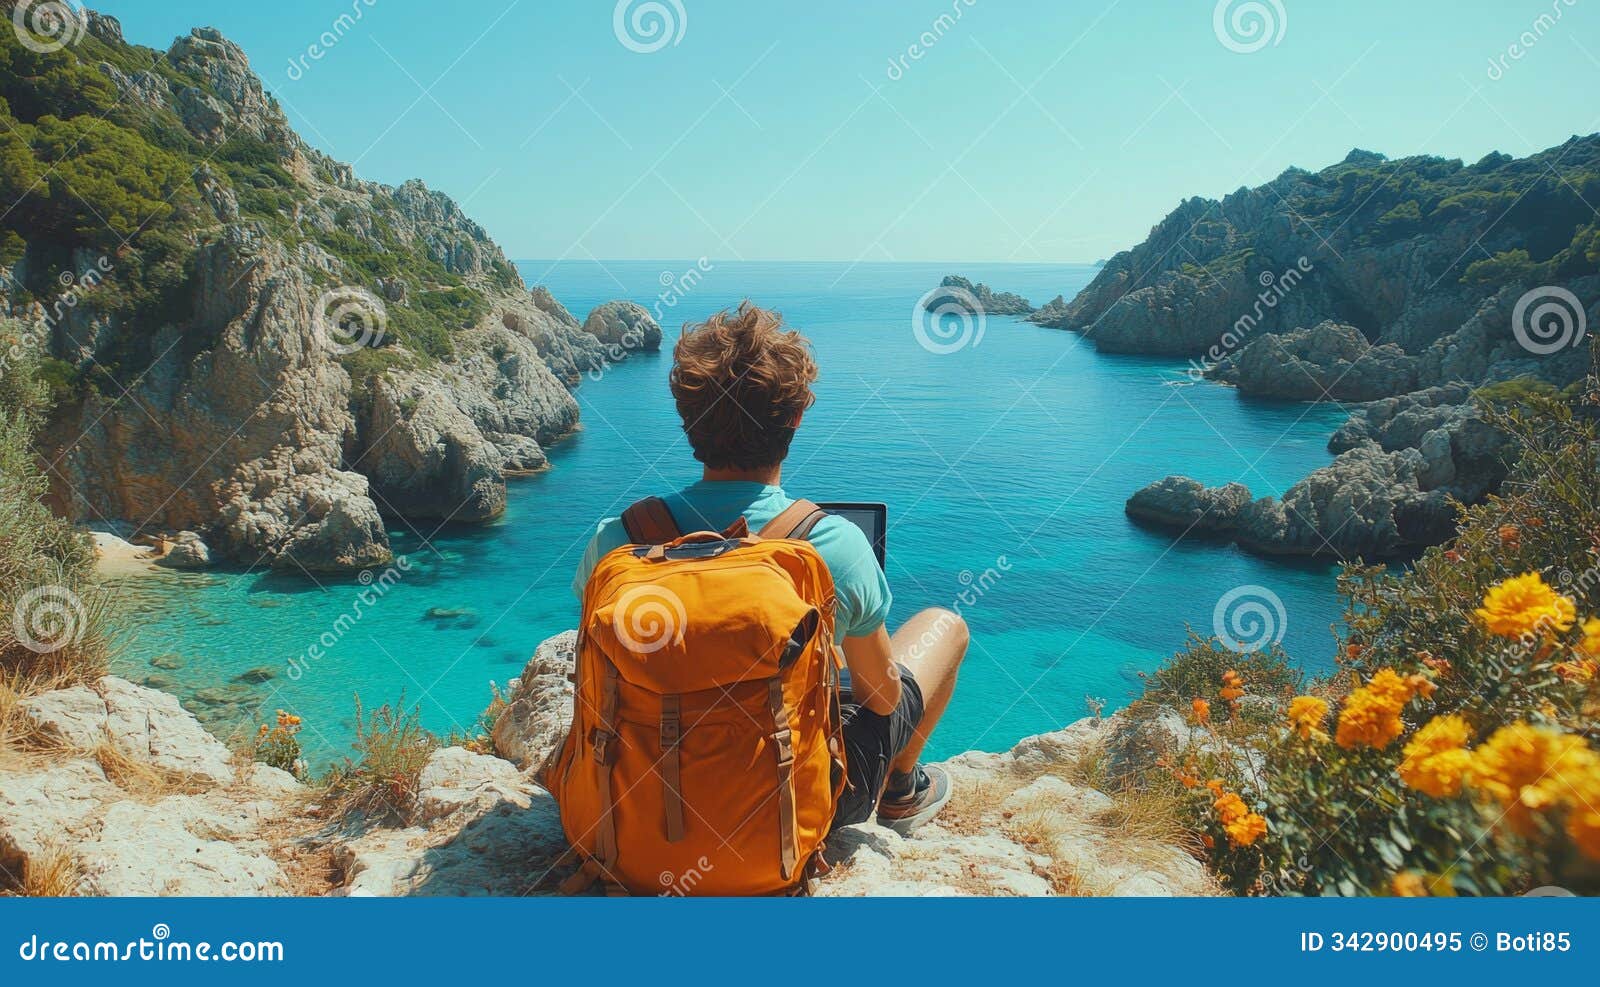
{"x":874,"y":678}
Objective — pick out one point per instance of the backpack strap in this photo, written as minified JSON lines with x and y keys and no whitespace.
{"x":794,"y":521}
{"x":649,"y":522}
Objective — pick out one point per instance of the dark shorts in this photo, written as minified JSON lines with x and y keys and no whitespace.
{"x":871,"y":742}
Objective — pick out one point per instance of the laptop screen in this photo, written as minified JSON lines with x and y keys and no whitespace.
{"x":872,"y":519}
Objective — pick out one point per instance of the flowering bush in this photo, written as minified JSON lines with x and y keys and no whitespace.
{"x":278,"y":745}
{"x":1452,"y":752}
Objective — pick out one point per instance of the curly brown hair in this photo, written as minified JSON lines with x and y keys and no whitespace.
{"x":741,"y":380}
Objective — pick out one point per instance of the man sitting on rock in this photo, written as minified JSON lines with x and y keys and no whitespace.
{"x":742,"y":384}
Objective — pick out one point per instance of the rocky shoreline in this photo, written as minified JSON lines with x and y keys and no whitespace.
{"x":1380,"y":315}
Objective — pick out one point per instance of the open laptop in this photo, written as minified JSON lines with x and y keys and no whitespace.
{"x":872,"y":519}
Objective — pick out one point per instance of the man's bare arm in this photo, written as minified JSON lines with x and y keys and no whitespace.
{"x":874,"y":678}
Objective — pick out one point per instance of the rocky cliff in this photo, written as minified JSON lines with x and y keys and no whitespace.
{"x":245,"y":339}
{"x":134,"y":798}
{"x":1370,"y":281}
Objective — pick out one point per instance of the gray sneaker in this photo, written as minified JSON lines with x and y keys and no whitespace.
{"x":912,"y":799}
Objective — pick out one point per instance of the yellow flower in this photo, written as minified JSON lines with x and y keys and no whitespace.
{"x":1409,"y":884}
{"x":1524,"y":605}
{"x":1246,"y":829}
{"x":1591,"y":638}
{"x":1576,"y":671}
{"x":1528,"y":770}
{"x":1242,"y":826}
{"x":1230,"y":807}
{"x":1371,"y":714}
{"x":1200,"y":713}
{"x":1232,"y":685}
{"x":1435,"y":759}
{"x":1307,"y":714}
{"x":1583,"y":824}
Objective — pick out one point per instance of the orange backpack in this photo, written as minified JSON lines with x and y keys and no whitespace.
{"x":705,"y":725}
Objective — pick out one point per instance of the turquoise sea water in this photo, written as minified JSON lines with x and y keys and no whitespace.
{"x":1020,"y":448}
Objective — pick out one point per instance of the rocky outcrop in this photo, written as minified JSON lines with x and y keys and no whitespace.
{"x":1405,"y":294}
{"x":240,"y":411}
{"x":1185,"y":504}
{"x":964,"y":296}
{"x":187,"y":551}
{"x":142,"y":801}
{"x":1390,"y":260}
{"x":1368,"y":504}
{"x":1329,"y":362}
{"x":625,"y":326}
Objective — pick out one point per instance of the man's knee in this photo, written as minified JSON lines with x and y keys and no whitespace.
{"x":937,"y":628}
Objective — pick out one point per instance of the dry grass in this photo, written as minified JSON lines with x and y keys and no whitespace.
{"x":394,"y":747}
{"x":53,"y":873}
{"x":974,"y":806}
{"x":141,"y":780}
{"x":1148,"y":814}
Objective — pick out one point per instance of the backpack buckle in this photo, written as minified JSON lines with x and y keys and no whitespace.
{"x":783,"y":740}
{"x":603,"y":751}
{"x":670,"y":732}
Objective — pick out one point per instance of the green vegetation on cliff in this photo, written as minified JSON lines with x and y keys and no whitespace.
{"x":95,"y":159}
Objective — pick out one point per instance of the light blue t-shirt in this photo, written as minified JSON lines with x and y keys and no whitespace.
{"x":861,"y":587}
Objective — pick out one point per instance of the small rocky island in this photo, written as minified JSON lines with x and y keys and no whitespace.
{"x":958,"y":293}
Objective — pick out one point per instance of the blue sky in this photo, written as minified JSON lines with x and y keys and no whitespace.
{"x":1029,"y":130}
